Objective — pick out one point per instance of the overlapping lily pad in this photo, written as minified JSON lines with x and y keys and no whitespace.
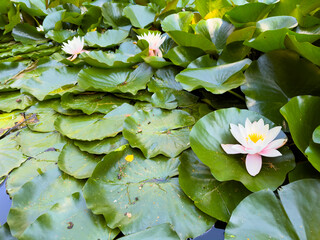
{"x":95,"y":126}
{"x":115,"y":80}
{"x":212,"y":130}
{"x":139,"y":194}
{"x":159,"y":131}
{"x":287,"y":217}
{"x":15,"y":100}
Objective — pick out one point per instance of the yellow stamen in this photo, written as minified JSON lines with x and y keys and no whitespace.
{"x":255,"y":137}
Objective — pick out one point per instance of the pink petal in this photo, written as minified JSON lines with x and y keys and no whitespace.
{"x":253,"y":164}
{"x":233,"y":148}
{"x":276,"y":144}
{"x":270,"y":153}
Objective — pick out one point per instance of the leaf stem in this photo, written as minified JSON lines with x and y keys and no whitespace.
{"x":237,"y":95}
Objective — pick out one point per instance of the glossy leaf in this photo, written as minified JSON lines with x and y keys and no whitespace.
{"x":109,"y":38}
{"x":182,"y":56}
{"x":287,"y":217}
{"x":77,"y":163}
{"x":37,"y":197}
{"x":217,"y":80}
{"x":115,"y":80}
{"x":113,"y":14}
{"x":269,"y":82}
{"x":158,"y":131}
{"x":66,"y":219}
{"x":95,"y":126}
{"x":140,"y":16}
{"x":27,"y":34}
{"x":303,"y":120}
{"x":212,"y":130}
{"x":15,"y":100}
{"x":148,"y":189}
{"x":217,"y":199}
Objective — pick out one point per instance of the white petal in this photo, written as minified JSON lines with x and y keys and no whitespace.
{"x":272,"y":134}
{"x":248,"y":126}
{"x":233,"y":148}
{"x":270,"y":153}
{"x":235,"y":131}
{"x":277,"y":143}
{"x":253,"y":164}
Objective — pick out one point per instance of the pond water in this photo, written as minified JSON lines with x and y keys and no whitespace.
{"x":5,"y":204}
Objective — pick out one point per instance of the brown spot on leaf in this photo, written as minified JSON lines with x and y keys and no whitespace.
{"x":70,"y":225}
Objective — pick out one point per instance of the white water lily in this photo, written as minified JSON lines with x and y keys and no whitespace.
{"x":40,"y":28}
{"x":256,"y":140}
{"x":74,"y":47}
{"x":155,"y":40}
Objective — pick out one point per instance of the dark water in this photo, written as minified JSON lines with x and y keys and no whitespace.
{"x":5,"y":204}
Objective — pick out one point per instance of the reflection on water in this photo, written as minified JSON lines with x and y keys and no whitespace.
{"x":5,"y":204}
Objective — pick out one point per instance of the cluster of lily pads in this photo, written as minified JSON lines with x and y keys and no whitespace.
{"x":168,"y":116}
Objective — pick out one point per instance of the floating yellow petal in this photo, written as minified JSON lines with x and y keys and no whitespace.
{"x":129,"y":158}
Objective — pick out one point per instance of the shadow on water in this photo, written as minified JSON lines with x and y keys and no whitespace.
{"x":5,"y":204}
{"x":215,"y":233}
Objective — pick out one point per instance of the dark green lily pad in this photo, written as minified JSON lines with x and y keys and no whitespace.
{"x":212,"y":130}
{"x":141,"y":194}
{"x":159,"y":131}
{"x":217,"y":199}
{"x":285,"y":217}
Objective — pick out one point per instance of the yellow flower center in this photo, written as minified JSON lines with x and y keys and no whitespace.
{"x":255,"y":137}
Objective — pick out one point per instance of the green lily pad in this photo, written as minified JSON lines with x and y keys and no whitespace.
{"x":9,"y":120}
{"x":216,"y":30}
{"x":140,"y":16}
{"x":5,"y":233}
{"x":269,"y":82}
{"x":140,"y":194}
{"x":10,"y":156}
{"x":49,"y":80}
{"x":66,"y":219}
{"x":109,"y":38}
{"x":60,"y":36}
{"x":164,"y":99}
{"x":156,"y":62}
{"x":305,"y":49}
{"x":177,"y":22}
{"x":278,"y":22}
{"x":214,"y":8}
{"x":95,"y":126}
{"x":104,"y":146}
{"x":37,"y":197}
{"x":285,"y":217}
{"x":182,"y":56}
{"x":217,"y":80}
{"x":163,"y":231}
{"x":115,"y":80}
{"x":159,"y":131}
{"x":27,"y":34}
{"x":91,"y":103}
{"x":76,"y":163}
{"x":303,"y":120}
{"x":113,"y":14}
{"x":43,"y":146}
{"x":212,"y":130}
{"x":203,"y":62}
{"x":217,"y":199}
{"x":15,"y":100}
{"x":8,"y":71}
{"x":44,"y":117}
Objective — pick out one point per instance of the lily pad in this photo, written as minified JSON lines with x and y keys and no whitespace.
{"x":5,"y":233}
{"x":217,"y":80}
{"x":95,"y":126}
{"x":15,"y":100}
{"x":10,"y":120}
{"x":217,"y":199}
{"x":303,"y":170}
{"x":77,"y":163}
{"x":90,"y":103}
{"x":8,"y":71}
{"x":269,"y":82}
{"x":115,"y":80}
{"x":10,"y":156}
{"x":37,"y":197}
{"x":159,"y":131}
{"x":109,"y":38}
{"x":44,"y":117}
{"x":163,"y":231}
{"x":285,"y":217}
{"x":140,"y":194}
{"x":302,"y":117}
{"x":104,"y":146}
{"x":113,"y":14}
{"x":182,"y":56}
{"x":66,"y":219}
{"x":140,"y":16}
{"x":212,"y":130}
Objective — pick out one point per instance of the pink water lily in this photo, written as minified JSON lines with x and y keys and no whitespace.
{"x":74,"y":47}
{"x":155,"y":40}
{"x":256,"y":140}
